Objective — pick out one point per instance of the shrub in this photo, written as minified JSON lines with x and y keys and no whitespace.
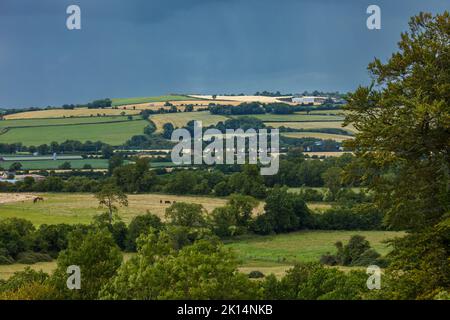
{"x":6,"y":260}
{"x":256,"y":274}
{"x":141,"y":225}
{"x":30,"y":257}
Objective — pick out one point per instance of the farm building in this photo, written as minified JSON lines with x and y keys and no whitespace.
{"x":20,"y":177}
{"x":309,"y":100}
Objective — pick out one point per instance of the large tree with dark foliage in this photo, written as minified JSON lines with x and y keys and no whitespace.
{"x":403,"y":147}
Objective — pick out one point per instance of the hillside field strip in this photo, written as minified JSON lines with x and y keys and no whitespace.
{"x":180,"y":119}
{"x":77,"y":112}
{"x":180,"y":104}
{"x":311,"y":125}
{"x":55,"y":164}
{"x":317,"y":135}
{"x":297,"y":117}
{"x":139,"y":100}
{"x":23,"y":123}
{"x":114,"y":133}
{"x":241,"y":99}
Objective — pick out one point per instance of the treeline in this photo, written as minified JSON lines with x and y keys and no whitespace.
{"x":66,"y":146}
{"x":221,"y":180}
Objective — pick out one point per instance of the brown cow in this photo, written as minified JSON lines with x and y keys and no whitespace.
{"x":37,"y":199}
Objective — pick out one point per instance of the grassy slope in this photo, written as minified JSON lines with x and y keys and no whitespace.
{"x":303,"y":246}
{"x":54,"y":164}
{"x":80,"y":208}
{"x":111,"y":133}
{"x":59,"y":121}
{"x":77,"y":112}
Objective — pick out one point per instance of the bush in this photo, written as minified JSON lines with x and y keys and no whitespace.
{"x":256,"y":274}
{"x":141,"y":225}
{"x":6,"y":260}
{"x":30,"y":257}
{"x":359,"y":217}
{"x":328,"y":259}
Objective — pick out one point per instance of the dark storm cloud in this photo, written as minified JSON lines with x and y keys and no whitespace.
{"x":138,"y":48}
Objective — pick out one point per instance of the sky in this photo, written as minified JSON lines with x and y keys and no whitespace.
{"x":140,"y":48}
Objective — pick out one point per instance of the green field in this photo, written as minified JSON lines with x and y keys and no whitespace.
{"x":302,"y":246}
{"x":54,"y":164}
{"x":110,"y":133}
{"x":59,"y":121}
{"x":137,"y":100}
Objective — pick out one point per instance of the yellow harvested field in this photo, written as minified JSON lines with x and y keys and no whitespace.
{"x":198,"y":104}
{"x":318,"y":135}
{"x":6,"y":271}
{"x":180,"y":119}
{"x":312,"y":125}
{"x":60,"y":113}
{"x":261,"y":99}
{"x":16,"y":197}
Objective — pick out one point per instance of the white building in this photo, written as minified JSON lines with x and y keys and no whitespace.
{"x":310,"y":100}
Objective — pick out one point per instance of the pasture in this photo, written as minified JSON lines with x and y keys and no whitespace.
{"x":112,"y":133}
{"x":60,"y":113}
{"x":54,"y":164}
{"x":75,"y":208}
{"x":301,"y":246}
{"x":180,"y":119}
{"x":23,"y":123}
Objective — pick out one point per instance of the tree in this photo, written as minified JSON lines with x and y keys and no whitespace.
{"x":333,"y":181}
{"x":186,"y":215}
{"x":109,"y":196}
{"x":114,"y":162}
{"x":140,"y":225}
{"x":204,"y":270}
{"x":402,"y":148}
{"x":107,"y":151}
{"x":168,"y":128}
{"x":402,"y":119}
{"x":98,"y":258}
{"x":15,"y":166}
{"x":283,"y":212}
{"x":65,"y":166}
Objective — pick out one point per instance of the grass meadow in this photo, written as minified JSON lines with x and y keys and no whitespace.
{"x":111,"y":133}
{"x":73,"y":208}
{"x":301,"y":246}
{"x":77,"y":112}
